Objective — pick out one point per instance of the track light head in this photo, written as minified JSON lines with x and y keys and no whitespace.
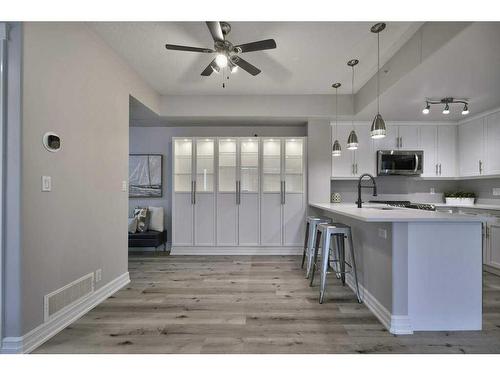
{"x":446,"y":109}
{"x":465,"y":111}
{"x":427,"y":109}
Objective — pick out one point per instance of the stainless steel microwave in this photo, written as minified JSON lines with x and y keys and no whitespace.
{"x":398,"y":162}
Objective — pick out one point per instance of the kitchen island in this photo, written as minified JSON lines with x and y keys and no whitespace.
{"x":418,"y":270}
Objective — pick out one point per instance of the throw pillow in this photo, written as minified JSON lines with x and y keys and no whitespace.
{"x":142,"y":219}
{"x":156,"y":218}
{"x":132,"y":224}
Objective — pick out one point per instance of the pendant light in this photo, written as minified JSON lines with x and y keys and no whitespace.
{"x":336,"y":150}
{"x":378,"y":125}
{"x":352,"y":140}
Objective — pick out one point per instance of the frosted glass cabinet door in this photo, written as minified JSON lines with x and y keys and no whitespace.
{"x":271,"y":168}
{"x":227,"y":209}
{"x":248,"y":207}
{"x":204,"y":197}
{"x":249,"y":165}
{"x":183,"y":159}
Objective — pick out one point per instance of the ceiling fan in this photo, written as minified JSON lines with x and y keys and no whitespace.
{"x":227,"y":55}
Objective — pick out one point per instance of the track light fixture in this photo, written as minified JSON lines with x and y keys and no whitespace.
{"x":446,"y":101}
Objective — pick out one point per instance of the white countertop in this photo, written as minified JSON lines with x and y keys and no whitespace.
{"x":373,"y":213}
{"x":479,"y":206}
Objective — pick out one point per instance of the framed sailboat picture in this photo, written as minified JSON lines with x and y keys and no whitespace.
{"x":145,"y":173}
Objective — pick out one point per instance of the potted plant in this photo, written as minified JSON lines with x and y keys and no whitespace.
{"x":459,"y":198}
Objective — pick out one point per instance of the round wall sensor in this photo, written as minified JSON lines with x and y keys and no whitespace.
{"x":51,"y":142}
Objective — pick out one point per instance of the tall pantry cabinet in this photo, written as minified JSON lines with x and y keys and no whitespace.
{"x":238,"y":195}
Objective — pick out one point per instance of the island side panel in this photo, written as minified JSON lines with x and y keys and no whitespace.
{"x":445,"y":276}
{"x":373,"y":255}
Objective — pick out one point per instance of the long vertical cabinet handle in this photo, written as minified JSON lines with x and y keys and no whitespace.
{"x":238,"y":193}
{"x":437,"y":169}
{"x":440,"y":169}
{"x":284,"y":192}
{"x":192,"y":189}
{"x":194,"y":192}
{"x":480,"y":167}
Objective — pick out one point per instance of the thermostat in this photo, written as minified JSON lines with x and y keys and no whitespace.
{"x":51,"y":142}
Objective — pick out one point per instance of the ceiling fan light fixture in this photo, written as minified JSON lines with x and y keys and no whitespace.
{"x":221,"y":60}
{"x":234,"y":69}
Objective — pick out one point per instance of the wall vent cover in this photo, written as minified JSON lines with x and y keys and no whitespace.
{"x":62,"y":299}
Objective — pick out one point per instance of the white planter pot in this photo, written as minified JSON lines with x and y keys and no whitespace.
{"x":460,"y":201}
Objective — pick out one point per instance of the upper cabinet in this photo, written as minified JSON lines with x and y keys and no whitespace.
{"x":492,"y":162}
{"x":353,"y":163}
{"x":399,"y":137}
{"x":471,"y":147}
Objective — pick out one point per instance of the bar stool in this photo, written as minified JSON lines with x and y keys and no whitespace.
{"x":309,"y":240}
{"x":324,"y":234}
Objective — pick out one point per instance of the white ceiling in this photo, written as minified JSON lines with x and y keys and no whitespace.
{"x":466,"y":67}
{"x":309,"y":57}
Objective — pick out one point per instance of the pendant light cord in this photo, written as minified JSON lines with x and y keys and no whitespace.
{"x":352,"y":97}
{"x":336,"y":110}
{"x":378,"y":73}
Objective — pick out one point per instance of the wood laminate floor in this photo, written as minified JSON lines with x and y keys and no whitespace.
{"x":250,"y":304}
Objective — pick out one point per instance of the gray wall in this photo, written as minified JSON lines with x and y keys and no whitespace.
{"x":417,"y":190}
{"x":75,"y":85}
{"x":158,"y":140}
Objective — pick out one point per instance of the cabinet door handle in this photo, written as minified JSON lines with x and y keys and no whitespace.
{"x":352,"y":168}
{"x":194,"y":192}
{"x":480,"y":167}
{"x":239,"y":192}
{"x":284,"y":192}
{"x":356,"y":168}
{"x":436,"y":169}
{"x":236,"y":192}
{"x":440,"y":169}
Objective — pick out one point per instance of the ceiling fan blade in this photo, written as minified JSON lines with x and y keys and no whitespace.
{"x":256,"y":46}
{"x":210,"y":69}
{"x":188,"y":49}
{"x":215,"y":30}
{"x":245,"y":65}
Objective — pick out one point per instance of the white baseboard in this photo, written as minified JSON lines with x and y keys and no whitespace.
{"x":395,"y":324}
{"x":45,"y":331}
{"x":236,"y":250}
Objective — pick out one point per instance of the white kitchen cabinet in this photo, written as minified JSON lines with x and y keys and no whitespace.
{"x":353,"y":163}
{"x":493,"y":244}
{"x":398,"y":137}
{"x":283,"y":203}
{"x":193,"y":197}
{"x":428,"y":144}
{"x":492,"y":143}
{"x":471,"y":147}
{"x":408,"y":137}
{"x":342,"y":165}
{"x":231,"y":193}
{"x":439,"y":145}
{"x":364,"y":157}
{"x":446,"y":150}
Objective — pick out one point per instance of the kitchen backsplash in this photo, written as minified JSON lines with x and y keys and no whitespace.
{"x":417,"y":190}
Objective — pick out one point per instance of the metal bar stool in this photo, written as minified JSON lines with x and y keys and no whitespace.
{"x":324,"y":234}
{"x":309,"y":240}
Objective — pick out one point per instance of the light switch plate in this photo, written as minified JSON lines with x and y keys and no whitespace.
{"x":496,"y":191}
{"x":46,"y":183}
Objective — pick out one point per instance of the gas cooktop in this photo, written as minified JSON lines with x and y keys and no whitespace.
{"x":408,"y":204}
